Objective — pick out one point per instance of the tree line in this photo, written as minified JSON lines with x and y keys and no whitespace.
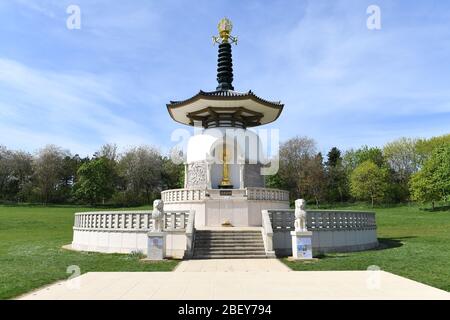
{"x":54,"y":175}
{"x":403,"y":170}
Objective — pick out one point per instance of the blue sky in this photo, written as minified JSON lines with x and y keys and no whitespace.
{"x":342,"y":84}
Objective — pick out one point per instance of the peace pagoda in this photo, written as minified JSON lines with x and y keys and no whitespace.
{"x":225,"y":162}
{"x":224,"y":209}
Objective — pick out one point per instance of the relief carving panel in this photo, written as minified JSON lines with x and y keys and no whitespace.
{"x":196,"y":175}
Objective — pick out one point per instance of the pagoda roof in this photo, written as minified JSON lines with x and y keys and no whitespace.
{"x":225,"y":101}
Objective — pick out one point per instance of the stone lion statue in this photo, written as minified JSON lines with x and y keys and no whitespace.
{"x":157,"y":215}
{"x":300,"y":215}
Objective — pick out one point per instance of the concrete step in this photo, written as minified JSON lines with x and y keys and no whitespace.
{"x":234,"y":254}
{"x":223,"y":244}
{"x":228,"y":232}
{"x":237,"y":237}
{"x":218,"y":256}
{"x":229,"y":244}
{"x":234,"y":246}
{"x":227,"y":240}
{"x":222,"y":249}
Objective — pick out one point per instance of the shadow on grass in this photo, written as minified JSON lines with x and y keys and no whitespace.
{"x":437,"y":209}
{"x":389,"y":243}
{"x":383,"y":244}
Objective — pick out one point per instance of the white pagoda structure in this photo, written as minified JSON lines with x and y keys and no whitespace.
{"x":224,"y":209}
{"x":225,"y":163}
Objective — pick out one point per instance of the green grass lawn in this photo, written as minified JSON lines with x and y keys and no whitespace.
{"x":414,"y":243}
{"x":30,"y":250}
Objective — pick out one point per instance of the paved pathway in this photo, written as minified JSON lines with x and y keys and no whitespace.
{"x":232,"y":265}
{"x":237,"y":280}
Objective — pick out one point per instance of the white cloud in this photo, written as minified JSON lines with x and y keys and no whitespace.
{"x":341,"y":83}
{"x":45,"y":7}
{"x":345,"y":85}
{"x":40,"y":106}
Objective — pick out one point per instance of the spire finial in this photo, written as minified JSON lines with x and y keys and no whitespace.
{"x":225,"y":62}
{"x":225,"y":26}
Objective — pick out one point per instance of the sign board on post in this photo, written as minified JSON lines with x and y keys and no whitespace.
{"x":156,"y":246}
{"x":302,"y":245}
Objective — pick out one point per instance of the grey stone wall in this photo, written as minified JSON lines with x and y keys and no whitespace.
{"x":252,"y":176}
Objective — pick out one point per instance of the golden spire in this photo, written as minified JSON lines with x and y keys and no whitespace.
{"x":225,"y":26}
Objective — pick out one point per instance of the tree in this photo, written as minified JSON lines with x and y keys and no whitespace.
{"x":6,"y":169}
{"x":21,"y":175}
{"x":274,"y":181}
{"x":403,"y":160}
{"x":294,"y":156}
{"x":432,"y":182}
{"x":141,"y":168}
{"x":96,"y":181}
{"x":369,"y":182}
{"x":108,"y":151}
{"x":172,"y":174}
{"x":353,"y":158}
{"x":425,"y":147}
{"x":402,"y":157}
{"x":313,"y":179}
{"x":336,"y":177}
{"x":333,"y":157}
{"x":69,"y":169}
{"x":48,"y":174}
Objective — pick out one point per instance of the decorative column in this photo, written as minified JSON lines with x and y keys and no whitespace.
{"x":208,"y":174}
{"x":185,"y":175}
{"x":301,"y":237}
{"x":241,"y":176}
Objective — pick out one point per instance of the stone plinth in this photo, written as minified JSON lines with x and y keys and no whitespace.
{"x":302,"y":245}
{"x":156,"y":245}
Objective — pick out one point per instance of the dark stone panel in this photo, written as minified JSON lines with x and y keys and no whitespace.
{"x":252,"y":176}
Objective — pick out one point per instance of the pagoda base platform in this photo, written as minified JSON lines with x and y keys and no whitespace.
{"x":214,"y":207}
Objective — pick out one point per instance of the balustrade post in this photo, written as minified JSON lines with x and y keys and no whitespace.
{"x":182,"y":220}
{"x":173,"y":221}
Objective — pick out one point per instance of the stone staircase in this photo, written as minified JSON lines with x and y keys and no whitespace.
{"x":228,"y":244}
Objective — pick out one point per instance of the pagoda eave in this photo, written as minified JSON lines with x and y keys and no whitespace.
{"x":225,"y":108}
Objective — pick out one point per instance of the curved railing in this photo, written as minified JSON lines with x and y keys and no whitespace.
{"x":332,"y":231}
{"x":324,"y":220}
{"x":128,"y":220}
{"x":182,"y":195}
{"x":252,"y":193}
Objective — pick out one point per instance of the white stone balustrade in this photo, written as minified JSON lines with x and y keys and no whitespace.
{"x":267,"y":234}
{"x":126,"y":231}
{"x":254,"y":193}
{"x":128,"y":220}
{"x":182,"y":195}
{"x":333,"y":230}
{"x":113,"y":220}
{"x":324,"y":220}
